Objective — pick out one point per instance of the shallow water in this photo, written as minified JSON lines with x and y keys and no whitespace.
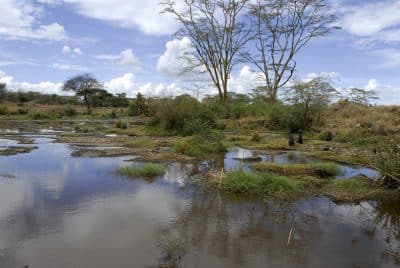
{"x":61,"y":212}
{"x":232,"y":161}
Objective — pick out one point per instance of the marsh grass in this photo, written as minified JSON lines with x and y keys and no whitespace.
{"x":242,"y":182}
{"x":322,"y":170}
{"x":197,"y":146}
{"x":140,"y":143}
{"x":148,"y":170}
{"x":352,"y":190}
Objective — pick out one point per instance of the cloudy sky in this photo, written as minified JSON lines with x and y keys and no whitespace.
{"x":129,"y":45}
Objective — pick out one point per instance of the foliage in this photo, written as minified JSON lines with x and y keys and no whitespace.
{"x":3,"y":110}
{"x":200,"y":144}
{"x":139,"y":106}
{"x":322,"y":170}
{"x":362,"y":96}
{"x":309,"y":99}
{"x":182,"y":115}
{"x":86,"y":86}
{"x":325,"y":136}
{"x":121,"y":124}
{"x":147,"y":170}
{"x":242,"y":182}
{"x":387,"y":160}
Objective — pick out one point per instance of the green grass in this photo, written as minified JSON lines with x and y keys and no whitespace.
{"x":242,"y":182}
{"x":197,"y":146}
{"x":319,"y":170}
{"x":148,"y":170}
{"x":140,"y":143}
{"x":352,"y":189}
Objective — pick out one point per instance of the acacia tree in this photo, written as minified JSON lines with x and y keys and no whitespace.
{"x":84,"y":85}
{"x":362,"y":96}
{"x":308,"y":100}
{"x":281,"y":29}
{"x":217,"y":31}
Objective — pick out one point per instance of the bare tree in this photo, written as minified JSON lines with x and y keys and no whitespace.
{"x":84,"y":85}
{"x":218,"y":33}
{"x":281,"y":29}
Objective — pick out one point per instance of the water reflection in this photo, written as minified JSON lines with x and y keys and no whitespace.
{"x":61,"y":211}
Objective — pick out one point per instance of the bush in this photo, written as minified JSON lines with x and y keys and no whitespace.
{"x":22,"y":111}
{"x":69,"y":111}
{"x":36,"y":115}
{"x":3,"y":110}
{"x":121,"y":124}
{"x":81,"y":129}
{"x":387,"y":161}
{"x":200,"y":144}
{"x":183,"y":115}
{"x":325,"y":136}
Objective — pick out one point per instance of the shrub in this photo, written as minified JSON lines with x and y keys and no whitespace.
{"x":69,"y":111}
{"x":325,"y":136}
{"x":199,"y":144}
{"x":36,"y":115}
{"x":3,"y":110}
{"x":147,"y":170}
{"x":387,"y":161}
{"x":22,"y":111}
{"x":183,"y":115}
{"x":81,"y":129}
{"x":319,"y":170}
{"x":255,"y":137}
{"x":121,"y":124}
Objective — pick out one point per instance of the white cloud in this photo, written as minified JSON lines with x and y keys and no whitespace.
{"x":19,"y":20}
{"x":325,"y":75}
{"x":78,"y":51}
{"x":143,"y":15}
{"x":388,"y":94}
{"x":127,"y":84}
{"x":43,"y":87}
{"x":177,"y":61}
{"x":66,"y":49}
{"x":68,"y":67}
{"x":126,"y":57}
{"x":246,"y":81}
{"x":376,"y":21}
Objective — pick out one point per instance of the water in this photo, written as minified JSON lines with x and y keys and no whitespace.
{"x":233,"y":158}
{"x":59,"y":211}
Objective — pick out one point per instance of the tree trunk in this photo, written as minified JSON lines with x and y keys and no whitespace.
{"x":87,"y":104}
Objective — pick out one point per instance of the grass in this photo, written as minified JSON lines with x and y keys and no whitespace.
{"x":242,"y":182}
{"x":256,"y":141}
{"x":352,"y":189}
{"x":323,"y":170}
{"x":148,"y":170}
{"x":197,"y":146}
{"x":140,"y":143}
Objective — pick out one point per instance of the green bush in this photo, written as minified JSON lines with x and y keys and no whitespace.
{"x":22,"y":111}
{"x":3,"y":110}
{"x":200,"y":144}
{"x":81,"y":129}
{"x":325,"y":136}
{"x":37,"y":115}
{"x":183,"y":115}
{"x":121,"y":124}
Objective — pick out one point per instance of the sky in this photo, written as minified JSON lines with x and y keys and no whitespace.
{"x":130,"y":47}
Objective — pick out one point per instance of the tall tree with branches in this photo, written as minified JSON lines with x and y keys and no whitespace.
{"x":281,"y":29}
{"x":218,"y":32}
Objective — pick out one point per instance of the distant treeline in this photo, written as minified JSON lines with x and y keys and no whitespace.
{"x":101,"y":99}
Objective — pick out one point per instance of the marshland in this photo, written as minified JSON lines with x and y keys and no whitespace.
{"x":289,"y":172}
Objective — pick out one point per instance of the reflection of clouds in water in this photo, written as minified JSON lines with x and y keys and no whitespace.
{"x":14,"y":195}
{"x":178,"y":172}
{"x":106,"y":231}
{"x":53,"y":182}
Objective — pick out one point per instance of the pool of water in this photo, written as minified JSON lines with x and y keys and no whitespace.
{"x":60,"y":211}
{"x":233,"y":160}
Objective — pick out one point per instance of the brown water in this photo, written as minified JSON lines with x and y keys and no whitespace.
{"x":60,"y":211}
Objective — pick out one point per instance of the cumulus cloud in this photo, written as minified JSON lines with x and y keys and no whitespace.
{"x":177,"y":62}
{"x":143,"y":15}
{"x":126,"y":57}
{"x":66,"y":49}
{"x":19,"y":20}
{"x":69,"y":50}
{"x":68,"y":67}
{"x":388,"y":94}
{"x":46,"y":87}
{"x":127,"y":84}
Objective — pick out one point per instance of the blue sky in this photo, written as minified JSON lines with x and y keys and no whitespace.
{"x":130,"y":47}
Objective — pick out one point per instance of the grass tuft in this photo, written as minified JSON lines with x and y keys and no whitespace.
{"x":148,"y":170}
{"x":242,"y":182}
{"x":323,"y":170}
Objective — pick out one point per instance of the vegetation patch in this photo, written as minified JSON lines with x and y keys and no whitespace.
{"x":140,"y":143}
{"x":322,"y":170}
{"x":147,"y":170}
{"x":242,"y":182}
{"x":198,"y":145}
{"x":352,"y":190}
